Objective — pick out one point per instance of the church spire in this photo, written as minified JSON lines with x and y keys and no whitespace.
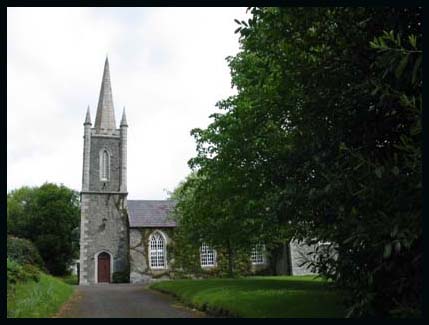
{"x":87,"y":118}
{"x":124,"y":118}
{"x":105,"y":118}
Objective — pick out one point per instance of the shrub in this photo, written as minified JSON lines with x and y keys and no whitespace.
{"x":23,"y":252}
{"x":31,"y":272}
{"x":21,"y":273}
{"x":120,"y":277}
{"x":15,"y":272}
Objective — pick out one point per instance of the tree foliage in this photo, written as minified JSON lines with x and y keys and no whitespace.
{"x":49,"y":217}
{"x":214,"y":213}
{"x":323,"y":140}
{"x":23,"y":251}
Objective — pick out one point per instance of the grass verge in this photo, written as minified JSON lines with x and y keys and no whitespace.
{"x":273,"y":296}
{"x":40,"y":299}
{"x":70,"y":279}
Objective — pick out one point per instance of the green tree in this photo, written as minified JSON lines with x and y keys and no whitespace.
{"x":324,"y":136}
{"x":49,"y":217}
{"x":213,"y":213}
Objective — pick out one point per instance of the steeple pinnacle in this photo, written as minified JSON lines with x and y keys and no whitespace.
{"x":87,"y":118}
{"x":124,"y":118}
{"x":105,"y":118}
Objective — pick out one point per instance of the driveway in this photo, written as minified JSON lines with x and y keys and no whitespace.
{"x":125,"y":301}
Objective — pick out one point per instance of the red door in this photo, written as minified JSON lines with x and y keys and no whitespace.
{"x":103,"y":267}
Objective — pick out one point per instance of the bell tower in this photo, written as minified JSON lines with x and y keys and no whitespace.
{"x":104,"y":219}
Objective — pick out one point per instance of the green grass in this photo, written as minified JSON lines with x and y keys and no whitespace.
{"x":32,"y":299}
{"x":273,"y":296}
{"x":70,"y":279}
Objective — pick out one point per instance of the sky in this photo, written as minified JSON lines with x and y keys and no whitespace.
{"x":167,"y":67}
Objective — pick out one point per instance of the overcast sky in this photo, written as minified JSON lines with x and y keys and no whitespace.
{"x":167,"y":67}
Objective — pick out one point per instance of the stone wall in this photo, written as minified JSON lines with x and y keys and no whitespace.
{"x":112,"y":144}
{"x":139,"y":255}
{"x":183,"y":260}
{"x":104,"y":227}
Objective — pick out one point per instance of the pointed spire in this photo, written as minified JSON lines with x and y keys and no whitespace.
{"x":124,"y":118}
{"x":105,"y":118}
{"x":87,"y":118}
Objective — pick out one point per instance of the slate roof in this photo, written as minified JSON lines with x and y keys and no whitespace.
{"x":150,"y":213}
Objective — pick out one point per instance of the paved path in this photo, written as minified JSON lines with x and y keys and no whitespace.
{"x":123,"y":300}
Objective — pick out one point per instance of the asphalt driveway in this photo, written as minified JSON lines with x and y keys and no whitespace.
{"x":125,"y":301}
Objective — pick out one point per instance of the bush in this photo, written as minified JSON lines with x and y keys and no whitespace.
{"x":120,"y":277}
{"x":23,"y":251}
{"x":15,"y":272}
{"x":31,"y":272}
{"x":20,"y":273}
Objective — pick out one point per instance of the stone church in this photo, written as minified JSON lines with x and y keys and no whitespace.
{"x":130,"y":238}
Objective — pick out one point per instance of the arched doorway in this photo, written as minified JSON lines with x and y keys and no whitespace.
{"x":103,"y":265}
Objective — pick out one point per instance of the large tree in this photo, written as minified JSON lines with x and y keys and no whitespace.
{"x":214,"y":213}
{"x":48,"y":216}
{"x":324,"y":136}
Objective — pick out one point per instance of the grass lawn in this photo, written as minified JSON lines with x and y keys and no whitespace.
{"x":268,"y":296}
{"x":38,"y":299}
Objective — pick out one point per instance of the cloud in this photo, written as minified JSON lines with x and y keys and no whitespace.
{"x":167,"y":67}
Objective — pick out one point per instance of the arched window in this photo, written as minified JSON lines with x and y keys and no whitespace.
{"x":157,"y":251}
{"x":104,"y":165}
{"x":207,"y":255}
{"x":257,"y":254}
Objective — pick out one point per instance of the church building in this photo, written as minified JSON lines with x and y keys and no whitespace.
{"x":122,"y":239}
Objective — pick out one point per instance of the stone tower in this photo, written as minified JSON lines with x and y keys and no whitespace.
{"x":104,"y":244}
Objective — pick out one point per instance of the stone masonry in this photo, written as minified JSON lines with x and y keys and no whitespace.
{"x":104,"y":218}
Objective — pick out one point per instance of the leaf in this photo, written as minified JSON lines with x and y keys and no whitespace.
{"x":400,"y":69}
{"x":387,"y":250}
{"x":395,"y":171}
{"x":348,"y":240}
{"x":327,"y":188}
{"x":379,"y":172}
{"x":398,"y":247}
{"x":375,"y":91}
{"x":237,"y":30}
{"x":370,"y":279}
{"x":373,"y":44}
{"x":342,"y":146}
{"x":237,"y":21}
{"x":413,"y":40}
{"x":359,"y":165}
{"x":394,"y":231}
{"x":416,"y":68}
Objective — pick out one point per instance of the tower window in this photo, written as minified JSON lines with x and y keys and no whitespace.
{"x":207,"y":255}
{"x":257,"y":254}
{"x":104,"y":165}
{"x":157,"y":251}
